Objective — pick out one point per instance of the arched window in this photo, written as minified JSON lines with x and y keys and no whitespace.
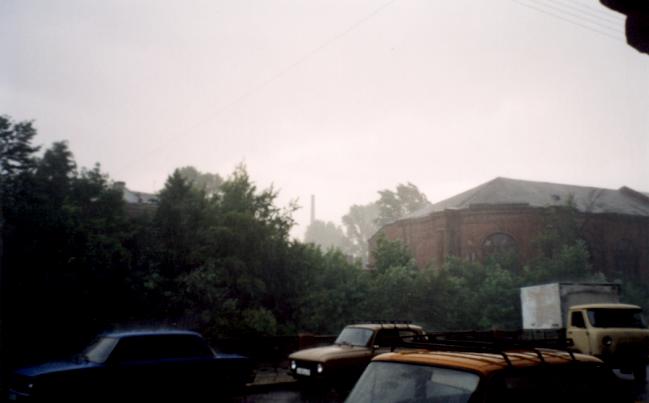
{"x":625,"y":258}
{"x":499,"y":244}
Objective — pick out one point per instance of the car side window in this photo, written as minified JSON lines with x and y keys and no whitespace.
{"x":159,"y":347}
{"x":386,"y":337}
{"x":577,"y":320}
{"x":587,"y":383}
{"x":407,"y":334}
{"x":128,"y":349}
{"x":529,"y":385}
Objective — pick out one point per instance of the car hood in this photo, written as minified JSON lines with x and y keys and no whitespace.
{"x":52,"y":367}
{"x":323,"y":354}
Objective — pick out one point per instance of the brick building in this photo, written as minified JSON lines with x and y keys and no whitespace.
{"x":509,"y":214}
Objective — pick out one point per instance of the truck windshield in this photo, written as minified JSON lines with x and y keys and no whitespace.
{"x":354,"y":336}
{"x":602,"y":317}
{"x":398,"y":382}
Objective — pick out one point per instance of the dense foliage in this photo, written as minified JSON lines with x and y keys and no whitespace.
{"x":215,"y":255}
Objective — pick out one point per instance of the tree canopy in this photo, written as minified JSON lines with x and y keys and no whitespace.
{"x":396,"y":204}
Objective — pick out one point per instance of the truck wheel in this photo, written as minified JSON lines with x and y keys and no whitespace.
{"x":640,"y":373}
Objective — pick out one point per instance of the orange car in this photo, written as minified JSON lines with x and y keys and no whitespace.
{"x":438,"y":374}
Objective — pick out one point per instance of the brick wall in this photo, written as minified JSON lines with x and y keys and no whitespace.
{"x":462,"y":233}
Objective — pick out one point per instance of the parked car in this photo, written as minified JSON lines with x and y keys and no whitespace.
{"x":463,"y":374}
{"x":343,"y":362}
{"x":136,"y":364}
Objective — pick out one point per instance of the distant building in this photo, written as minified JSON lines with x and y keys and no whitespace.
{"x":137,"y":203}
{"x":509,"y":214}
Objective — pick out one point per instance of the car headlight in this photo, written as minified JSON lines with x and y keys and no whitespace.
{"x":607,"y":341}
{"x":293,"y":365}
{"x":319,"y":368}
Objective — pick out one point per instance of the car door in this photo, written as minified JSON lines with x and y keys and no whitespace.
{"x":384,"y":341}
{"x":578,"y":332}
{"x":127,"y":374}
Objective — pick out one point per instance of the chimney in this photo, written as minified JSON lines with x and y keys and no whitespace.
{"x":312,"y":208}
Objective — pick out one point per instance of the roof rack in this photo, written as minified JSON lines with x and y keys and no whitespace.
{"x":494,"y":342}
{"x":383,"y":321}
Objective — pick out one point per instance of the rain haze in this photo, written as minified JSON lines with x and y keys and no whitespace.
{"x":338,"y":99}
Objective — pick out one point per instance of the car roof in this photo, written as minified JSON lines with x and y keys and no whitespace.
{"x":485,"y":363}
{"x":149,"y":332}
{"x":606,"y":306}
{"x":374,"y":326}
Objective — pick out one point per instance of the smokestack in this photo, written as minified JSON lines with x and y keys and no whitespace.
{"x":312,"y":208}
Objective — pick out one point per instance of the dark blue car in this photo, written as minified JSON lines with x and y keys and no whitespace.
{"x":137,"y":364}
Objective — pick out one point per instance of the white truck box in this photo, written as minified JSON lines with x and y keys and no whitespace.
{"x":545,"y":306}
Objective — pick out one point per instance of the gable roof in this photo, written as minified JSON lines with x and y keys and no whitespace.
{"x":502,"y":191}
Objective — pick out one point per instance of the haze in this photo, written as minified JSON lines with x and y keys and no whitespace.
{"x":338,"y":99}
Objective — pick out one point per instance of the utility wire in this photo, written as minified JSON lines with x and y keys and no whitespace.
{"x":576,"y":16}
{"x":603,"y":13}
{"x":591,"y":13}
{"x":579,"y":17}
{"x":558,"y":16}
{"x":263,"y":84}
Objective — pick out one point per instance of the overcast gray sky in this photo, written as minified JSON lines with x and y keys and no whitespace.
{"x":337,"y":98}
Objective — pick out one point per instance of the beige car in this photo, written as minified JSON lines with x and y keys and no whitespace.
{"x":343,"y":362}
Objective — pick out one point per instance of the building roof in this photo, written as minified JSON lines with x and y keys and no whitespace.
{"x":139,"y":197}
{"x":133,"y":197}
{"x":505,"y":191}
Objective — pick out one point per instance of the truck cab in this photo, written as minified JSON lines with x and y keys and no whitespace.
{"x":615,"y":333}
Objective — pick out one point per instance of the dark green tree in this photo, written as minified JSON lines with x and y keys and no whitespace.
{"x":64,"y":257}
{"x":332,"y":292}
{"x":561,"y":253}
{"x":229,"y":251}
{"x":17,"y":154}
{"x":389,"y":254}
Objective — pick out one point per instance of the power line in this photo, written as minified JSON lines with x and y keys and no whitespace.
{"x":263,"y":84}
{"x":580,"y":17}
{"x":590,"y":28}
{"x":605,"y":14}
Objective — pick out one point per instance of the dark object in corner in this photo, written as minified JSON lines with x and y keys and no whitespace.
{"x":637,"y":21}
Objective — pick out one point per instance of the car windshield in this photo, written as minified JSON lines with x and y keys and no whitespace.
{"x":398,"y":382}
{"x":602,"y":317}
{"x":100,"y":350}
{"x":354,"y":336}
